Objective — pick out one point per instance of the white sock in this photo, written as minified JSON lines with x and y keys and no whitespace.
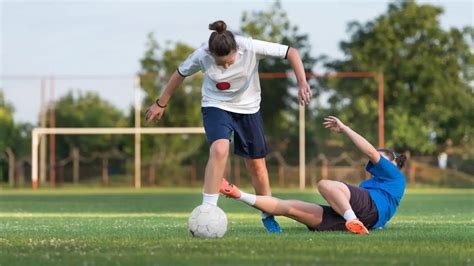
{"x":349,"y":215}
{"x":210,"y":199}
{"x":250,"y":199}
{"x":264,"y":214}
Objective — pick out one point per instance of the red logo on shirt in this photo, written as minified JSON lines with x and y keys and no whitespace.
{"x":223,"y":86}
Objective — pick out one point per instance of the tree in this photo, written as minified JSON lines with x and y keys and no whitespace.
{"x":279,"y":102}
{"x":7,"y":126}
{"x":157,"y":66}
{"x":183,"y":110}
{"x":15,"y":139}
{"x":87,"y":110}
{"x":427,"y":75}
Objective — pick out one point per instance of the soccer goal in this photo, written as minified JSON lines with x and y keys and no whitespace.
{"x":37,"y":133}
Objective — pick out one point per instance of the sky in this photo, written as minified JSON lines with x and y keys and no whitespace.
{"x":107,"y":38}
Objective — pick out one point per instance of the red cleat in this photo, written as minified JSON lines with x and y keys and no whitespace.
{"x":357,"y":227}
{"x":228,"y":189}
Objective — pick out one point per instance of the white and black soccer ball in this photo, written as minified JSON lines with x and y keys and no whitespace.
{"x":207,"y":221}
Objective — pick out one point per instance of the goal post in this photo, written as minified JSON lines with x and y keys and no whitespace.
{"x":38,"y":132}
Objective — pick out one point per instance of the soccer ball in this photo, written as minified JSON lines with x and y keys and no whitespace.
{"x":207,"y":221}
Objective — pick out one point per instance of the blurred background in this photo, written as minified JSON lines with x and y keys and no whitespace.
{"x":77,"y":64}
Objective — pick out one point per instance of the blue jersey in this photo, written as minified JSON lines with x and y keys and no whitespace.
{"x":386,"y":187}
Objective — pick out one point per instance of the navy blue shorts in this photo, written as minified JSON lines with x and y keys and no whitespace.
{"x":249,"y":140}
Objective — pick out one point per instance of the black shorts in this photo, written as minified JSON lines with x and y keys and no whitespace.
{"x":249,"y":139}
{"x":362,"y":205}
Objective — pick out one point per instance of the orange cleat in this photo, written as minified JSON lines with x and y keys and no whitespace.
{"x":357,"y":227}
{"x":228,"y":189}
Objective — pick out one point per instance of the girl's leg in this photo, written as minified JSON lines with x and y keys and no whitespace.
{"x":215,"y":170}
{"x":337,"y":194}
{"x":258,"y":171}
{"x":310,"y":214}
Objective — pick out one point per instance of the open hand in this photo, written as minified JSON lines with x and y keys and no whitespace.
{"x":154,"y":112}
{"x":304,"y":93}
{"x":334,"y":124}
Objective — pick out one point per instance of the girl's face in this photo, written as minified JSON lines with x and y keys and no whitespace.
{"x":227,"y":60}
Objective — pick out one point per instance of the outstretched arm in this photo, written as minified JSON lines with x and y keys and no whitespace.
{"x":155,"y":112}
{"x":361,"y":143}
{"x":304,"y":92}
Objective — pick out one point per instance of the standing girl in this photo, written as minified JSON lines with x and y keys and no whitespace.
{"x":231,"y":104}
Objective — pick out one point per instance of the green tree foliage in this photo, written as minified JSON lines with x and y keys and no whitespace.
{"x":279,"y":102}
{"x":16,"y":136}
{"x":87,"y":110}
{"x":7,"y":126}
{"x":183,"y":109}
{"x":428,"y":71}
{"x":22,"y":140}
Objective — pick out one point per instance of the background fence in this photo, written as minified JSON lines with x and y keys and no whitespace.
{"x":112,"y":169}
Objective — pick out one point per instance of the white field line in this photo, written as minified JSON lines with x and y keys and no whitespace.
{"x":109,"y":215}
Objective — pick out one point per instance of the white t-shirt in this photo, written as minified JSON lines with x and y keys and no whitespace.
{"x":237,"y":88}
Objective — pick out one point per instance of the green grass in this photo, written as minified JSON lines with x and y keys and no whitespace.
{"x":148,"y":227}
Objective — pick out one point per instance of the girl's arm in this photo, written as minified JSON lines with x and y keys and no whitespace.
{"x":155,"y":111}
{"x":361,"y":143}
{"x":175,"y":80}
{"x":304,"y":93}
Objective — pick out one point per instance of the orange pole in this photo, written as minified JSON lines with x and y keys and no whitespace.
{"x":327,"y":75}
{"x":380,"y":80}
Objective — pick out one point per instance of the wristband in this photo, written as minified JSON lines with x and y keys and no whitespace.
{"x":158,"y":103}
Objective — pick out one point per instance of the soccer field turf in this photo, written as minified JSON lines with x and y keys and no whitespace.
{"x":149,"y":227}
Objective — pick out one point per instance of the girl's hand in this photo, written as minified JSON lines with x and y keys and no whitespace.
{"x":304,"y":93}
{"x":334,"y":124}
{"x":154,"y":112}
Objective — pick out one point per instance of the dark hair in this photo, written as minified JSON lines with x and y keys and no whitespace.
{"x":399,"y":158}
{"x":221,"y":41}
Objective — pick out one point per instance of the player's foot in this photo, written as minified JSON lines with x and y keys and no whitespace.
{"x":228,"y":189}
{"x":357,"y":227}
{"x":271,"y":225}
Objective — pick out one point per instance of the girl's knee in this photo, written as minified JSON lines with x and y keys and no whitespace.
{"x":324,"y":186}
{"x":220,"y":149}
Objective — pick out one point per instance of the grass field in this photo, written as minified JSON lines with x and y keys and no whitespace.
{"x":127,"y":227}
